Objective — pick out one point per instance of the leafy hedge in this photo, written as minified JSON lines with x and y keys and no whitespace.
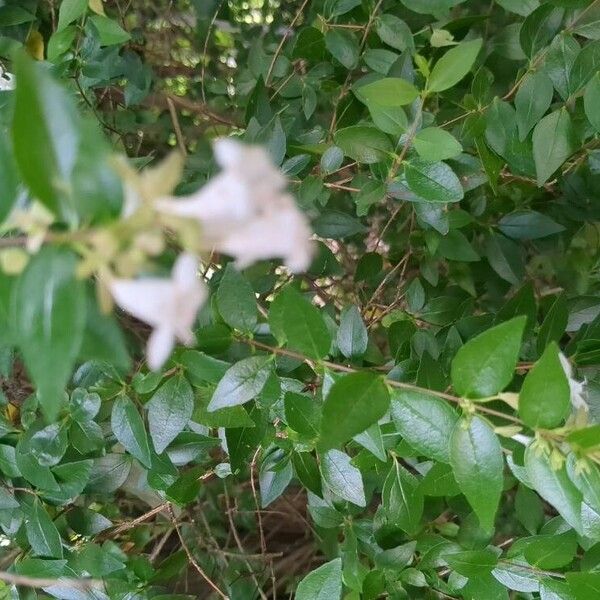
{"x":184,"y":371}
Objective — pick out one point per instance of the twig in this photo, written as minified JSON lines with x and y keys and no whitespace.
{"x":176,"y":126}
{"x":282,"y":42}
{"x":191,"y":558}
{"x":45,"y":582}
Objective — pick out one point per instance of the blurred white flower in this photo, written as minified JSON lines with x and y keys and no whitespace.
{"x":168,"y":305}
{"x":245,"y":211}
{"x":7,"y":81}
{"x":577,"y":387}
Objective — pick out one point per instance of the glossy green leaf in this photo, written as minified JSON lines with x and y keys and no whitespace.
{"x":591,"y":101}
{"x":485,"y":365}
{"x":352,"y":335}
{"x":453,"y":66}
{"x":364,"y":144}
{"x":46,"y":136}
{"x":70,"y":10}
{"x":343,"y":46}
{"x":476,"y":459}
{"x":324,"y":583}
{"x":304,"y":327}
{"x":433,"y":181}
{"x":390,"y":91}
{"x":425,"y":422}
{"x":236,"y":300}
{"x":435,"y":144}
{"x":169,"y":411}
{"x":353,"y":403}
{"x":342,"y":478}
{"x":553,"y":142}
{"x":472,"y":563}
{"x":42,"y":533}
{"x":554,"y":486}
{"x":545,"y":398}
{"x":48,"y":310}
{"x":128,"y":427}
{"x":532,"y":100}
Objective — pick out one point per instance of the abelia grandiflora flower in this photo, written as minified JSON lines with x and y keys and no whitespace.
{"x":245,"y":211}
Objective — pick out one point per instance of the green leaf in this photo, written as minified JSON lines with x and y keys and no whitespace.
{"x":343,"y":46}
{"x":554,"y":486}
{"x":342,"y":478}
{"x":476,"y":459}
{"x":9,"y":178}
{"x":109,"y":473}
{"x":585,"y":66}
{"x":352,"y":335}
{"x":304,"y":326}
{"x":128,"y":427}
{"x":585,"y":586}
{"x":70,"y":10}
{"x":389,"y":91}
{"x":7,"y":500}
{"x":273,"y":482}
{"x":324,"y":583}
{"x":532,"y":100}
{"x":453,"y":66}
{"x":307,"y":471}
{"x":48,"y":312}
{"x":332,"y":159}
{"x":41,"y":532}
{"x":551,"y":551}
{"x":394,"y":32}
{"x":363,"y":144}
{"x":48,"y":445}
{"x":539,"y":28}
{"x":241,"y":383}
{"x":554,"y":324}
{"x":45,"y":136}
{"x":528,"y":225}
{"x":302,"y":414}
{"x":425,"y":422}
{"x":485,"y":365}
{"x":439,"y":481}
{"x":591,"y":101}
{"x":169,"y":411}
{"x":505,"y":257}
{"x":472,"y":563}
{"x":402,"y":499}
{"x":110,"y":32}
{"x":545,"y":398}
{"x":236,"y":300}
{"x":435,"y":144}
{"x":553,"y":142}
{"x":433,"y":181}
{"x":353,"y":403}
{"x":86,"y":522}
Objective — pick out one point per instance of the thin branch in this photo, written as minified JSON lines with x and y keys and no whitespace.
{"x":45,"y":582}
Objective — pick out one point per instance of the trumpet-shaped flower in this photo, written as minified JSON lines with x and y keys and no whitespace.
{"x":169,"y":306}
{"x":577,"y":388}
{"x":245,"y":211}
{"x":7,"y":81}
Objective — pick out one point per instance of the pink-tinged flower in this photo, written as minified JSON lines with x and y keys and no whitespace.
{"x":169,"y":306}
{"x":245,"y":211}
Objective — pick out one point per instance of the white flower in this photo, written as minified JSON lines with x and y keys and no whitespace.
{"x":7,"y":81}
{"x":168,"y":305}
{"x":577,"y":387}
{"x":245,"y":211}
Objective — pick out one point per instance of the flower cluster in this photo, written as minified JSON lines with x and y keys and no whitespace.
{"x":244,"y":212}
